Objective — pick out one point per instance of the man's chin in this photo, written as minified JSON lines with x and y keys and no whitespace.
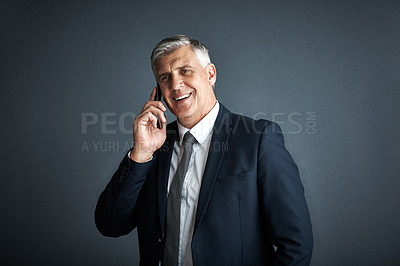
{"x":182,"y":111}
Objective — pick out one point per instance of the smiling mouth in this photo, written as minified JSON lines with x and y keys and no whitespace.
{"x":180,"y":98}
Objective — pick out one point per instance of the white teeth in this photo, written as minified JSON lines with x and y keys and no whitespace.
{"x":182,"y":97}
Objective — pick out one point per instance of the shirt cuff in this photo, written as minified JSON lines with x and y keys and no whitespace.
{"x":129,"y":156}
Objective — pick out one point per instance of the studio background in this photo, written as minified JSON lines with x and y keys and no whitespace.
{"x":74,"y":73}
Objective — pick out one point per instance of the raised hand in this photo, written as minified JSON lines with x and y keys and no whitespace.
{"x":147,"y":137}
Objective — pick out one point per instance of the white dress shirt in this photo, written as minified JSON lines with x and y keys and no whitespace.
{"x":202,"y":132}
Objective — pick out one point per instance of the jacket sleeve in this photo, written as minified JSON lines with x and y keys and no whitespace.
{"x":115,"y":210}
{"x":283,"y":203}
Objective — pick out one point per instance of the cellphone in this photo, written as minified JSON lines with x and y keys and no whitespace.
{"x":158,"y":93}
{"x":159,"y":98}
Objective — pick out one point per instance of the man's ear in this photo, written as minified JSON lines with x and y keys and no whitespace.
{"x":212,"y":74}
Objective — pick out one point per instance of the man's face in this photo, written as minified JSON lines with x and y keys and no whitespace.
{"x":186,"y":85}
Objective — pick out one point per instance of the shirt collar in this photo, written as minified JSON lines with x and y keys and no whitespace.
{"x":203,"y":128}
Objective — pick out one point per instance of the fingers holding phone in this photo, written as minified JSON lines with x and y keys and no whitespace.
{"x":149,"y":129}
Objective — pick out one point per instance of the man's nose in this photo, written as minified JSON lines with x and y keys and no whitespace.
{"x":176,"y":83}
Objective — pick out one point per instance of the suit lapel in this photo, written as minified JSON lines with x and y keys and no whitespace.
{"x":219,"y":142}
{"x":164,"y":164}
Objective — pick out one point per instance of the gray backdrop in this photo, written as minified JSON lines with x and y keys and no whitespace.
{"x":74,"y":73}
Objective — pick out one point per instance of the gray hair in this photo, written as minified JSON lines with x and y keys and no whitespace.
{"x":171,"y":44}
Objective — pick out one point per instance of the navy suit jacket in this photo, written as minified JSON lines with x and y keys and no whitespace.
{"x":251,"y":208}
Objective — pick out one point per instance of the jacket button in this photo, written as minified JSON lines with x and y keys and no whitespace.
{"x":159,"y":240}
{"x":124,"y":169}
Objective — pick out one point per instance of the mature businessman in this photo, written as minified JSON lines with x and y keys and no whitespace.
{"x":213,"y":187}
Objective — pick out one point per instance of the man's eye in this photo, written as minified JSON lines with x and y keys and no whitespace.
{"x":163,"y":78}
{"x":185,"y":71}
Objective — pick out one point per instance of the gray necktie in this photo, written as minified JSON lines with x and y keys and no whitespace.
{"x":173,"y":214}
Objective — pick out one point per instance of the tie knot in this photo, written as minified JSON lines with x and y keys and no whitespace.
{"x":188,"y":139}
